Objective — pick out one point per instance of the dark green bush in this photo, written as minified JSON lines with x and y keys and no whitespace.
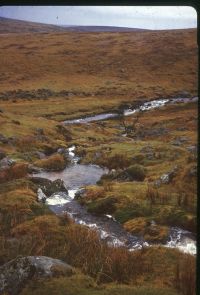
{"x":136,"y":172}
{"x":103,"y":206}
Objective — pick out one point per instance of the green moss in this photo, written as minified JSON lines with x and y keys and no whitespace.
{"x":132,"y":211}
{"x":102,"y":206}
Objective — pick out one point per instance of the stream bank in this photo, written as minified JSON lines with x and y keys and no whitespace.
{"x":77,"y":176}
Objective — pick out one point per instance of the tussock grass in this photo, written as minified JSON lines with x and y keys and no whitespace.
{"x":55,"y":162}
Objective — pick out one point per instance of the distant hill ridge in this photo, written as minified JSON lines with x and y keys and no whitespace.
{"x":102,"y":29}
{"x":8,"y":25}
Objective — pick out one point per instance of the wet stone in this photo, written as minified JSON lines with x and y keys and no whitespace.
{"x":41,"y":196}
{"x":49,"y":187}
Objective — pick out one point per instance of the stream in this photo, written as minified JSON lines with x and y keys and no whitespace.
{"x":127,"y":112}
{"x":77,"y":176}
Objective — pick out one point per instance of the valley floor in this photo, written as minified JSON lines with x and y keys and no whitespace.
{"x":151,"y":157}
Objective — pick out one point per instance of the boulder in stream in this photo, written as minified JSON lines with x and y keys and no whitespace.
{"x":49,"y":187}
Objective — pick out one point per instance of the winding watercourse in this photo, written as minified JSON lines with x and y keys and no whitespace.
{"x":77,"y":176}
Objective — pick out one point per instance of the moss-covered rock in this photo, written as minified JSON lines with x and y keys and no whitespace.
{"x":132,"y":210}
{"x":150,"y":231}
{"x":102,"y":206}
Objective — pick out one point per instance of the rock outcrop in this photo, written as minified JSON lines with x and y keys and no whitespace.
{"x":16,"y":273}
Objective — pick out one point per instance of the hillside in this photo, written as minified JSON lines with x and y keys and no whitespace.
{"x":8,"y":25}
{"x":91,"y":205}
{"x":111,"y":65}
{"x":102,"y":29}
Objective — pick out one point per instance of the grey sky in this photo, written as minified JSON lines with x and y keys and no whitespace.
{"x":163,"y":17}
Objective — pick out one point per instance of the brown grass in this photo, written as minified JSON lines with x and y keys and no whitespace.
{"x":185,"y":280}
{"x":16,"y":171}
{"x":156,"y":56}
{"x":55,"y":162}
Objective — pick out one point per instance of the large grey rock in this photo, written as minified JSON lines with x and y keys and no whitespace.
{"x":6,"y":162}
{"x":16,"y":273}
{"x":167,"y":177}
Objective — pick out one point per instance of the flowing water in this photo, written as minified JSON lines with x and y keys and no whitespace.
{"x":77,"y":176}
{"x":127,"y":112}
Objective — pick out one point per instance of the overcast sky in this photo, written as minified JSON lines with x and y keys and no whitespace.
{"x":149,"y":17}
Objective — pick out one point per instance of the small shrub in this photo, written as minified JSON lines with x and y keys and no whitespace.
{"x":95,"y":193}
{"x":55,"y":162}
{"x":151,"y":233}
{"x":16,"y":171}
{"x":26,"y":143}
{"x":117,"y":161}
{"x":16,"y":207}
{"x":105,"y":178}
{"x":136,"y":172}
{"x":136,"y":225}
